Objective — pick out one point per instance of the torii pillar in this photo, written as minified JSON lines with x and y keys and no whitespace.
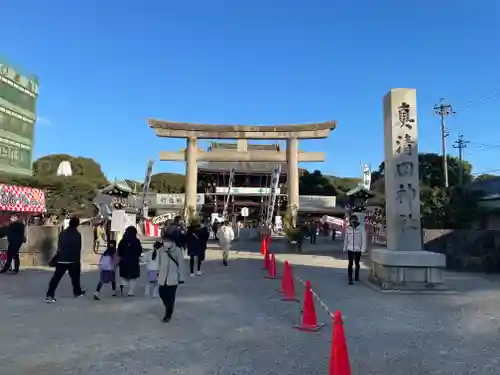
{"x":192,"y":155}
{"x":292,"y":156}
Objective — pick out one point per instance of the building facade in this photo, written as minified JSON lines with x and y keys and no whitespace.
{"x":18,"y":96}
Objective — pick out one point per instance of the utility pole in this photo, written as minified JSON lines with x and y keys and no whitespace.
{"x":460,"y":143}
{"x":444,"y":110}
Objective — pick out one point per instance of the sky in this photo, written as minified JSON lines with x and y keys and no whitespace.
{"x":106,"y":66}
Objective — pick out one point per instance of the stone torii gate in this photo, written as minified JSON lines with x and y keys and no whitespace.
{"x":192,"y":155}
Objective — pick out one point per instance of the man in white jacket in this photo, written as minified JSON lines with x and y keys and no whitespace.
{"x":354,"y":244}
{"x":225,"y":234}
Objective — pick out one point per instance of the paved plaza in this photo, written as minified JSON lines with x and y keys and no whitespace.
{"x":231,"y":321}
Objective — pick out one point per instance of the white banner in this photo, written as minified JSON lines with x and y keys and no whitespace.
{"x":177,"y":200}
{"x":245,"y":190}
{"x":274,"y":187}
{"x":147,"y":182}
{"x":163,"y":218}
{"x":229,"y":190}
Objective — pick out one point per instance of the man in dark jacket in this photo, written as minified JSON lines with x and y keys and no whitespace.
{"x":15,"y":238}
{"x":67,"y":258}
{"x":175,"y":231}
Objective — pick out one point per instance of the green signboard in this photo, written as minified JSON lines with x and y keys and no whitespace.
{"x":18,"y":95}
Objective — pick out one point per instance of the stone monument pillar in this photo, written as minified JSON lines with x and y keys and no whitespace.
{"x":191,"y":172}
{"x":403,"y":264}
{"x":292,"y":155}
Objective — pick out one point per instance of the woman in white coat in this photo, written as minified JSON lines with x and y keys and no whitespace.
{"x":354,"y":244}
{"x":225,"y":234}
{"x":170,"y":273}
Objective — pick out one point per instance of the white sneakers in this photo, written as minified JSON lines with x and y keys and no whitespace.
{"x":198,"y":273}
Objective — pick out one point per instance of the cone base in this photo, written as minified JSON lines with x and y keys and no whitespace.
{"x":290,"y":299}
{"x":271,"y":277}
{"x":315,"y":328}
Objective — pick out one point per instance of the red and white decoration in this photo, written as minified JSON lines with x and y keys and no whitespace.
{"x":151,"y":230}
{"x":21,"y":199}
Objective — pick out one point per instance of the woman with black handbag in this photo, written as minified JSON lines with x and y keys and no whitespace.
{"x":170,"y":273}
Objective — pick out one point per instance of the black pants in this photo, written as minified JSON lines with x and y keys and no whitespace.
{"x":313,"y":238}
{"x":97,"y":244}
{"x":191,"y":263}
{"x":12,"y":255}
{"x":100,"y":284}
{"x":354,"y":257}
{"x":167,"y":295}
{"x":74,"y":274}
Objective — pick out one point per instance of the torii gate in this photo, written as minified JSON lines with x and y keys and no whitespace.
{"x":192,"y":155}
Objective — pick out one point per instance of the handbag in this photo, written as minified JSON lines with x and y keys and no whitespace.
{"x":54,"y":260}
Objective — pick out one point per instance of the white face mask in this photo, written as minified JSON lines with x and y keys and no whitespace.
{"x":168,"y":244}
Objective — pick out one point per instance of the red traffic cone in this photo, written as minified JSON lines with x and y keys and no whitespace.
{"x":263,"y":245}
{"x":272,"y":268}
{"x":290,"y":285}
{"x":339,"y":358}
{"x":267,"y":261}
{"x":285,"y":278}
{"x":309,"y":321}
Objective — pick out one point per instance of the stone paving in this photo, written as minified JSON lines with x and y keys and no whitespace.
{"x":228,"y":321}
{"x":232,"y":321}
{"x":456,"y":332}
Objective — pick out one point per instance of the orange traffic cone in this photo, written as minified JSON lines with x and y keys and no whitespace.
{"x":285,"y":278}
{"x":309,"y":321}
{"x":272,"y":268}
{"x":289,"y":290}
{"x":339,"y":358}
{"x":263,"y":245}
{"x":267,"y":261}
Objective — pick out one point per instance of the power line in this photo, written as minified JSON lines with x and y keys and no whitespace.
{"x":480,"y":100}
{"x":461,"y":144}
{"x":444,"y":110}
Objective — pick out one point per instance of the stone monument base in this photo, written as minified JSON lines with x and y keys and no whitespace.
{"x":407,"y":270}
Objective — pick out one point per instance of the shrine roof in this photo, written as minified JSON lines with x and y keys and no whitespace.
{"x":120,"y":186}
{"x":240,"y":167}
{"x":360,"y":189}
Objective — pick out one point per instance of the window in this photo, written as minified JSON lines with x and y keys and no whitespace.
{"x":16,"y":126}
{"x":15,"y":157}
{"x":17,"y":97}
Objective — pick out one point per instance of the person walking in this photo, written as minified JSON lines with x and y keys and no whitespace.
{"x":225,"y":234}
{"x":67,"y":258}
{"x":196,"y":241}
{"x":129,"y":252}
{"x":176,"y":231}
{"x":313,"y":231}
{"x":15,"y":239}
{"x":107,"y":265}
{"x":151,"y":258}
{"x":170,"y":274}
{"x":354,"y":244}
{"x":98,"y":236}
{"x":215,"y":228}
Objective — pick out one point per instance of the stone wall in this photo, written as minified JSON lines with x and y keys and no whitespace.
{"x":41,"y":244}
{"x":467,"y":250}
